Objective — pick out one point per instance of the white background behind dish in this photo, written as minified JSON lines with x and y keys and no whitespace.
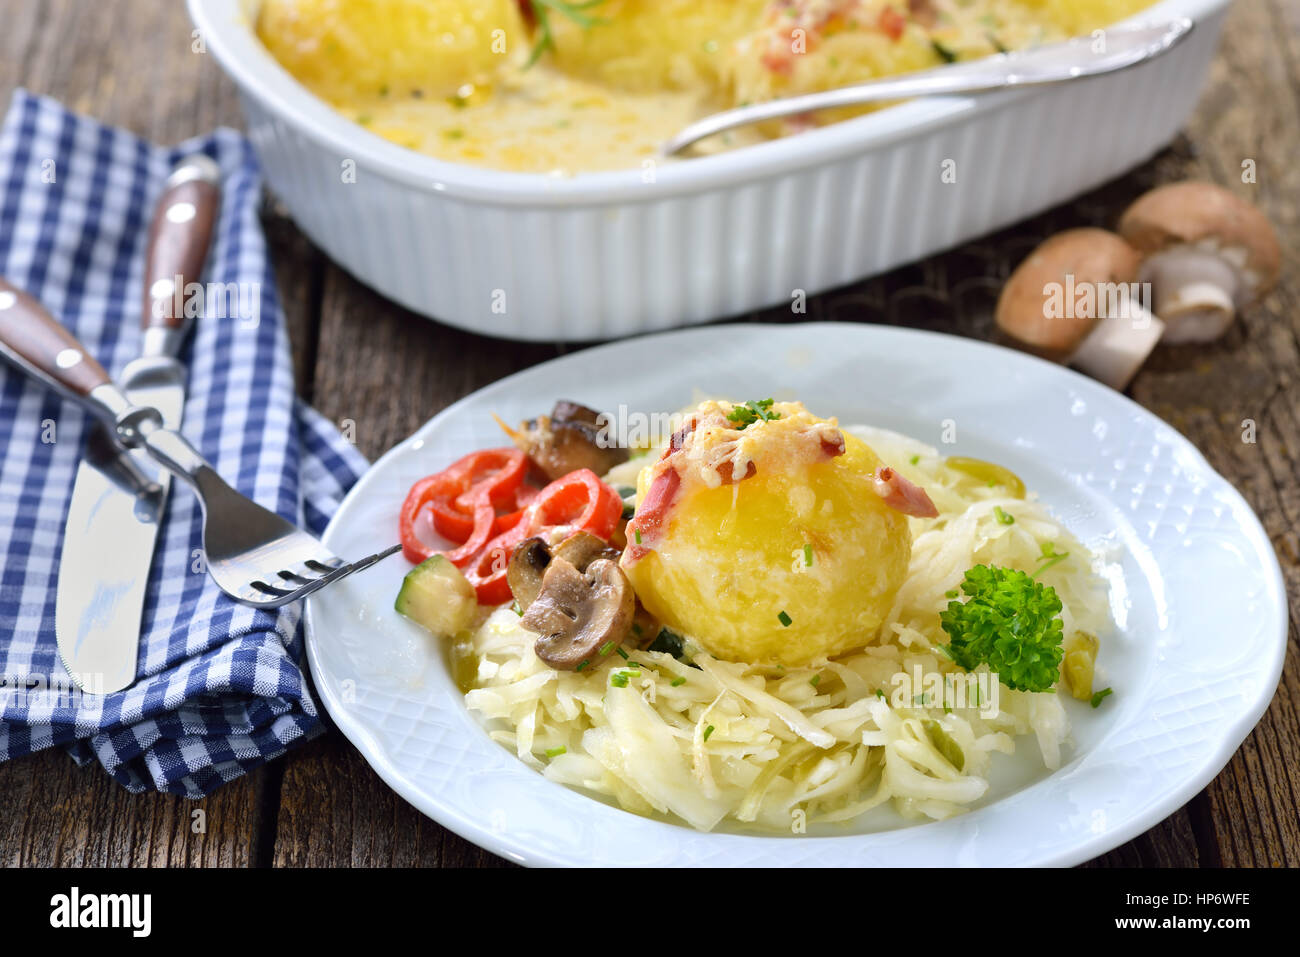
{"x":1193,"y":670}
{"x":606,"y":255}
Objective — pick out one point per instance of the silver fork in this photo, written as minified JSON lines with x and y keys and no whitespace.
{"x":254,"y":555}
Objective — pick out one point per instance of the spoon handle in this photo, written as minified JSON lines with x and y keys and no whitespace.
{"x":1105,"y":51}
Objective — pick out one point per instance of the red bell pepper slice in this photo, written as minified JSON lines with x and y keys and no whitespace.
{"x":579,"y":501}
{"x":463,"y":501}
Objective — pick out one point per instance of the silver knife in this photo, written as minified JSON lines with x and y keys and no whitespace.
{"x":119,"y":496}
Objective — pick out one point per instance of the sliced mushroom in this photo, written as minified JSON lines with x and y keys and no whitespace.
{"x":1208,"y":254}
{"x":1111,"y":335}
{"x":532,"y":556}
{"x":571,"y":437}
{"x":583,"y":548}
{"x":528,"y":563}
{"x":577,"y":613}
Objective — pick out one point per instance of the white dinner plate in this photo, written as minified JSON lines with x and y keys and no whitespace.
{"x":1197,"y":595}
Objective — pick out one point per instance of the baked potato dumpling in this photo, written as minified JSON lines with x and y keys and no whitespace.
{"x":651,"y":45}
{"x":797,"y":561}
{"x":350,"y":50}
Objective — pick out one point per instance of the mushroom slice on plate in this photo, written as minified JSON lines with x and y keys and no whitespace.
{"x":532,"y":556}
{"x":1208,"y":255}
{"x":528,"y":563}
{"x":572,"y":437}
{"x":1072,"y":300}
{"x":577,"y":613}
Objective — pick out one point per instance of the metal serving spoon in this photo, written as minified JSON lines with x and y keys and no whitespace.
{"x":1104,"y":52}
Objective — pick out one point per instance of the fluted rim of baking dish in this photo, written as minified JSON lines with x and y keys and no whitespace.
{"x":226,"y":30}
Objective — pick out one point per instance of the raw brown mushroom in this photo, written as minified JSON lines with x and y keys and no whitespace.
{"x":1110,"y":337}
{"x":532,"y":556}
{"x":1208,"y":255}
{"x":577,"y":613}
{"x":570,"y":438}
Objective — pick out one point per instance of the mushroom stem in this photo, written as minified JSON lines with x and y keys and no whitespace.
{"x":1194,"y":292}
{"x":1118,"y":345}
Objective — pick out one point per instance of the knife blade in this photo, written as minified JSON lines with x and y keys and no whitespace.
{"x":119,"y":497}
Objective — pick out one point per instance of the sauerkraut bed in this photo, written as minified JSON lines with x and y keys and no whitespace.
{"x":779,"y":748}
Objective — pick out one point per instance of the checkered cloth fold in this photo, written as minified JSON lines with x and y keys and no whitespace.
{"x":221,"y":687}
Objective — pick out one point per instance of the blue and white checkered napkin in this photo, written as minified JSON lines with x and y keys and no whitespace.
{"x":221,"y":687}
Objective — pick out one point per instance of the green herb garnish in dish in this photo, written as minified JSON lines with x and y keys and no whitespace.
{"x":542,"y":10}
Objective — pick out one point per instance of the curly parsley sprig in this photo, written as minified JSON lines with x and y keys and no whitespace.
{"x":1010,"y":623}
{"x":542,"y":10}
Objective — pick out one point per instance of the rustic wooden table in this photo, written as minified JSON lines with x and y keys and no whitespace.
{"x":129,"y":62}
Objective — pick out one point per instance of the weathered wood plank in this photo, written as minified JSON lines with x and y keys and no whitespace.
{"x":55,"y":814}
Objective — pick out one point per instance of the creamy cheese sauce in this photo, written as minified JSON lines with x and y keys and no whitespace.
{"x":539,"y":121}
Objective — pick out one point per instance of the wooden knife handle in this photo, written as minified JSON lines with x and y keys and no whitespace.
{"x":36,"y":341}
{"x":178,"y":240}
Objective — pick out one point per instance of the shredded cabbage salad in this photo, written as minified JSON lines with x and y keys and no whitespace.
{"x":708,"y":741}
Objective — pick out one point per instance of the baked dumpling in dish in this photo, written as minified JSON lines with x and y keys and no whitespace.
{"x":347,"y":51}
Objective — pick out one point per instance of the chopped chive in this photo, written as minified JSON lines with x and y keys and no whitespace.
{"x":556,"y":752}
{"x":606,"y":648}
{"x":751,"y":412}
{"x":1003,"y":517}
{"x":1101,"y":696}
{"x":618,"y":679}
{"x":582,"y":665}
{"x":785,"y":619}
{"x":708,"y":731}
{"x":517,"y":608}
{"x":637,"y":533}
{"x":915,"y":459}
{"x":678,"y":682}
{"x":1053,"y":557}
{"x":622,"y":654}
{"x":880,"y":694}
{"x":807,"y":555}
{"x":948,"y":56}
{"x":815,"y":680}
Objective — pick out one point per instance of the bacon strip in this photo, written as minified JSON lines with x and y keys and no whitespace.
{"x":901,"y":495}
{"x":650,"y":517}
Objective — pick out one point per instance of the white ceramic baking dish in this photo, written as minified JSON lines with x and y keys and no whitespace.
{"x":603,"y":255}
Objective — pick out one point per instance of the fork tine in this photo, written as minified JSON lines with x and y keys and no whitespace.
{"x":336,"y":572}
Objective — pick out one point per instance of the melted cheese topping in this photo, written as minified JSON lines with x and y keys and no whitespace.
{"x":716,"y":450}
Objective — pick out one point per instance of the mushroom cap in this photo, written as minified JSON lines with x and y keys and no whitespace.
{"x":532,"y":556}
{"x":576,"y":613}
{"x":1211,"y":217}
{"x":1088,"y":255}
